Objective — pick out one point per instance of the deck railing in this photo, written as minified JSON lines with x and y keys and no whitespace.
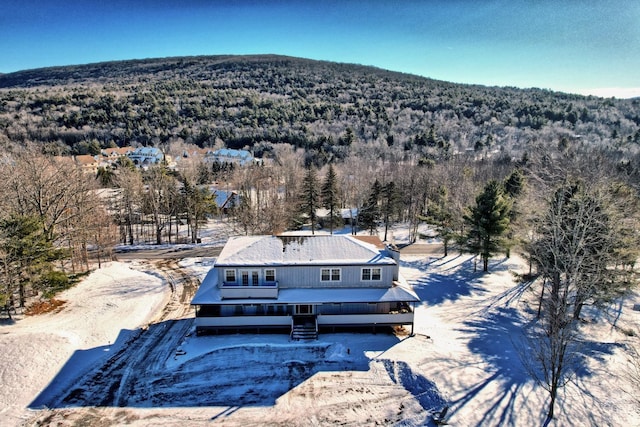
{"x":262,"y":290}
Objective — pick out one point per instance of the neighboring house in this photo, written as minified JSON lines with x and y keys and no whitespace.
{"x":146,"y":156}
{"x":114,"y":153}
{"x":349,"y":216}
{"x":87,"y":163}
{"x":226,"y":200}
{"x":302,"y":284}
{"x":227,"y":155}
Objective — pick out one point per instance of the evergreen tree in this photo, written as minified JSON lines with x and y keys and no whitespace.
{"x":439,"y":214}
{"x":370,"y":213}
{"x":488,"y":220}
{"x":330,"y":198}
{"x":105,"y":176}
{"x":310,"y":197}
{"x":389,"y":205}
{"x":27,"y":256}
{"x":198,"y":202}
{"x":514,"y":184}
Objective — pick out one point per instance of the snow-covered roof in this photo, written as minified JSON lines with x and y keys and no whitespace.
{"x":303,"y":250}
{"x":224,"y":197}
{"x":344,"y":213}
{"x":146,"y":151}
{"x":228,"y":152}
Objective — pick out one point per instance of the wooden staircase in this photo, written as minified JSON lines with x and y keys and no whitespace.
{"x":304,"y":328}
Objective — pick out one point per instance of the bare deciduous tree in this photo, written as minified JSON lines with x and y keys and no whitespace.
{"x":159,"y":199}
{"x":576,"y":251}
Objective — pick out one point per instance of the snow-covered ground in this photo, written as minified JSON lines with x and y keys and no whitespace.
{"x":463,"y":356}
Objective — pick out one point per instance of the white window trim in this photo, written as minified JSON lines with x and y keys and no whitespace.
{"x":234,"y":275}
{"x":331,"y":280}
{"x":371,"y":279}
{"x":274,"y":274}
{"x":251,"y":273}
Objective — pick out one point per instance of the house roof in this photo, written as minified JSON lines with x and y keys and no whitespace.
{"x":86,"y":160}
{"x":145,"y":151}
{"x":209,"y":293}
{"x":224,"y":197}
{"x":114,"y":151}
{"x":228,"y":152}
{"x":344,"y":213}
{"x":303,"y":250}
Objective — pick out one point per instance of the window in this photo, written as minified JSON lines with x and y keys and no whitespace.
{"x":250,"y":277}
{"x":330,"y":274}
{"x":230,"y":276}
{"x":371,"y":273}
{"x":270,"y":275}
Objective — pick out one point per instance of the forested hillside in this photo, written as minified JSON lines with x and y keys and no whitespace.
{"x":552,"y":177}
{"x":326,"y":108}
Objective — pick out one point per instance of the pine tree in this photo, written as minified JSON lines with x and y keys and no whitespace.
{"x":389,"y":205}
{"x":488,"y":220}
{"x":27,"y":255}
{"x":514,"y":184}
{"x":330,"y":197}
{"x":439,"y":214}
{"x":309,"y":197}
{"x":370,"y":213}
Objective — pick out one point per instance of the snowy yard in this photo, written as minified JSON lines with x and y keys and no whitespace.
{"x":464,"y":355}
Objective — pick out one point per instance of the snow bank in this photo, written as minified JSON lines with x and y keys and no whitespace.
{"x":119,"y":297}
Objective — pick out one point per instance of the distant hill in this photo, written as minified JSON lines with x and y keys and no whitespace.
{"x":327,"y":108}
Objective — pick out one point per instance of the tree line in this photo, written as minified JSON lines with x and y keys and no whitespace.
{"x":57,"y":221}
{"x":327,"y":109}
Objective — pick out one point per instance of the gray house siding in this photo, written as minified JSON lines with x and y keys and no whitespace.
{"x":310,"y":276}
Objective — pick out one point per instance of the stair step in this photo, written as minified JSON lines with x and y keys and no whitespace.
{"x":301,"y":332}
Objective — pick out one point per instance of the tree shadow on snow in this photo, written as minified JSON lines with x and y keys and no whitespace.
{"x":457,"y":280}
{"x":498,"y":337}
{"x":134,"y":372}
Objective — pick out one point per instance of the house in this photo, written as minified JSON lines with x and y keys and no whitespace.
{"x":114,"y":153}
{"x":226,"y":200}
{"x":146,"y":156}
{"x":303,"y":284}
{"x":348,"y":216}
{"x":227,"y":155}
{"x":88,"y":163}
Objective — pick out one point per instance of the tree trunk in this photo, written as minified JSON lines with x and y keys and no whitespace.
{"x":21,"y":291}
{"x":130,"y":228}
{"x":550,"y":414}
{"x":544,"y":283}
{"x":331,"y":219}
{"x":577,"y":310}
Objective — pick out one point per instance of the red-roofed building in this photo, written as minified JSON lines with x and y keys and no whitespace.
{"x":87,"y":163}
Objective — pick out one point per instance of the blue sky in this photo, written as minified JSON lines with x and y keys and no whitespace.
{"x":583,"y":46}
